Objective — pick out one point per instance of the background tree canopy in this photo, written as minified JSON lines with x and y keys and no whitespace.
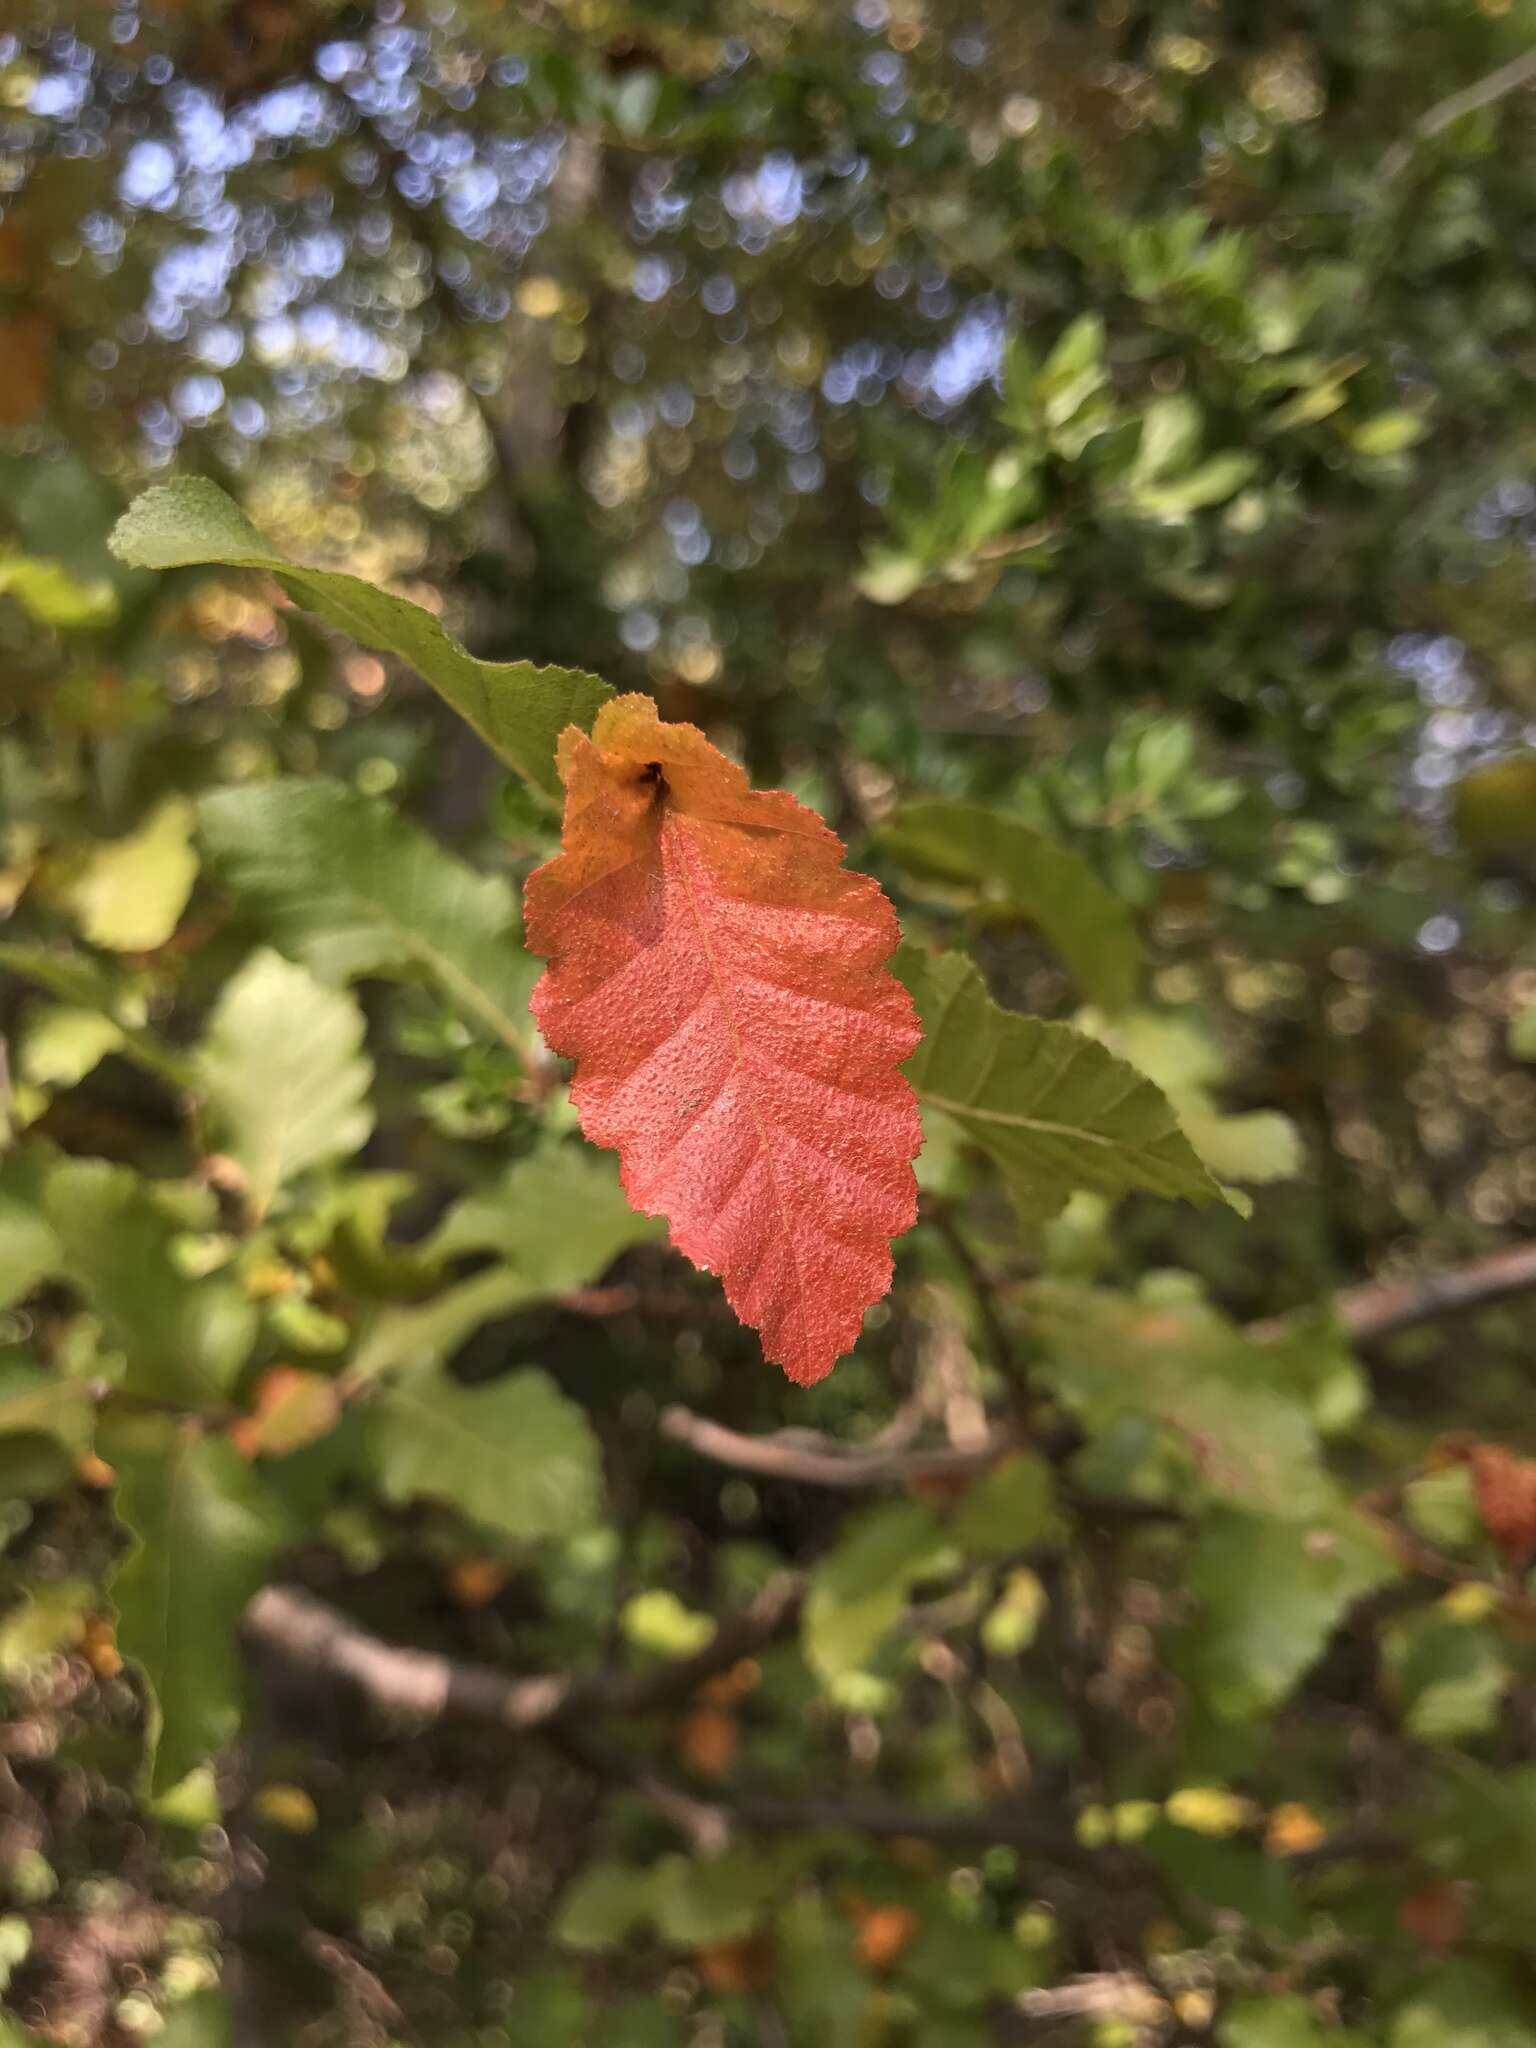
{"x":1088,"y":454}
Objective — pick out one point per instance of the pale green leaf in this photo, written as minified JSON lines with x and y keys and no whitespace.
{"x":349,"y":887}
{"x":417,"y":1338}
{"x":1021,"y":871}
{"x":1522,"y":1034}
{"x":514,"y":1454}
{"x":34,"y":1402}
{"x":1242,"y":1412}
{"x":109,"y":992}
{"x":184,"y":1339}
{"x":1052,"y":1107}
{"x":1284,"y":2020}
{"x":517,"y":708}
{"x":1271,"y":1593}
{"x":657,"y":1621}
{"x":61,"y":1044}
{"x":604,"y":1905}
{"x":284,"y":1074}
{"x":29,"y":1245}
{"x":1177,"y":1051}
{"x":131,"y":892}
{"x":560,"y":1217}
{"x":1466,"y":2004}
{"x":201,"y":2021}
{"x":52,"y":595}
{"x":204,"y":1532}
{"x":1009,"y":1509}
{"x":1448,"y":1676}
{"x":858,"y":1590}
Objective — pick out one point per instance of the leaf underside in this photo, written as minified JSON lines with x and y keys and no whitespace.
{"x":717,"y":976}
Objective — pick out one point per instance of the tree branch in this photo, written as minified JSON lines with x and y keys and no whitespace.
{"x":425,"y":1685}
{"x":1368,"y":1313}
{"x":1383,"y":1307}
{"x":1485,"y":92}
{"x":820,"y":1461}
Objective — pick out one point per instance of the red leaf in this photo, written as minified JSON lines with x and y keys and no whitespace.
{"x":1505,"y":1484}
{"x":717,"y":976}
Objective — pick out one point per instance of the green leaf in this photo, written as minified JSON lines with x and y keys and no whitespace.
{"x":29,"y":1245}
{"x":201,"y":2021}
{"x":1449,"y":1676}
{"x":517,"y":708}
{"x":284,"y":1074}
{"x":1031,"y":876}
{"x":1271,"y":1593}
{"x":1465,"y":2005}
{"x":38,"y":1403}
{"x":1242,"y":1411}
{"x":346,"y":885}
{"x":131,"y":892}
{"x":204,"y":1533}
{"x":658,"y":1621}
{"x":604,"y":1905}
{"x":1284,"y":2021}
{"x":1052,"y":1107}
{"x":516,"y":1454}
{"x":1177,"y":1051}
{"x":1009,"y":1509}
{"x":1217,"y":478}
{"x":1522,"y":1034}
{"x":87,"y":984}
{"x":858,"y":1590}
{"x":423,"y":1336}
{"x":62,"y":1044}
{"x":185,"y":1339}
{"x":560,"y":1217}
{"x":49,"y":593}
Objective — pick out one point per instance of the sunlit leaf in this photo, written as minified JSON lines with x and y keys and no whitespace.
{"x":349,"y":887}
{"x":1054,"y":1109}
{"x":515,"y":1454}
{"x":1021,"y":871}
{"x":284,"y":1073}
{"x":517,"y":708}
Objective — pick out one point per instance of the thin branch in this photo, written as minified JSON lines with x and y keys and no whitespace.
{"x":1383,"y":1307}
{"x":819,"y":1461}
{"x":1485,"y":92}
{"x":426,"y":1686}
{"x":1368,"y":1313}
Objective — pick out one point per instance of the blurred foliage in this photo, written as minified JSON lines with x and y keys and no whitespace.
{"x":1088,"y":453}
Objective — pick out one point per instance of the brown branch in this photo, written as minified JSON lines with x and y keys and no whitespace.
{"x":1383,"y":1307}
{"x":1486,"y":92}
{"x":425,"y":1685}
{"x":820,"y":1461}
{"x":1370,"y":1312}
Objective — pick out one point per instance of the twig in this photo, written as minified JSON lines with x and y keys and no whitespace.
{"x":1368,"y":1313}
{"x":820,"y":1461}
{"x":1485,"y":92}
{"x":1385,"y":1306}
{"x":427,"y":1686}
{"x":999,"y":1344}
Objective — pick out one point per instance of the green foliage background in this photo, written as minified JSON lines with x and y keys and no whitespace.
{"x":1087,"y":453}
